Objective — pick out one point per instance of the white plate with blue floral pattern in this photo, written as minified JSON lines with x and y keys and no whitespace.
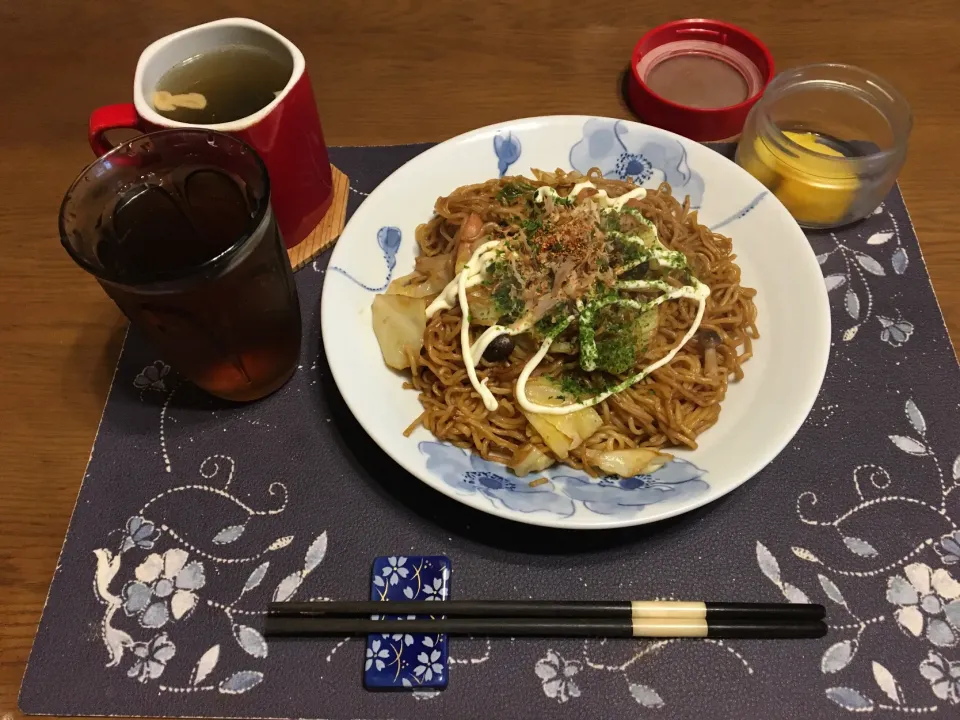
{"x":760,"y":414}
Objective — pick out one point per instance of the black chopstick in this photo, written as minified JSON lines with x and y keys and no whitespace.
{"x":277,"y":626}
{"x":712,"y":612}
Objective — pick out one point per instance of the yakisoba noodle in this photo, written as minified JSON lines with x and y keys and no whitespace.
{"x":587,"y":269}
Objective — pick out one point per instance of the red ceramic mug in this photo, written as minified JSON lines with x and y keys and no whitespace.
{"x":286,"y":133}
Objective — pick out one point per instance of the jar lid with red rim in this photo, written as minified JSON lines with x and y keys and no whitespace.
{"x":698,"y":77}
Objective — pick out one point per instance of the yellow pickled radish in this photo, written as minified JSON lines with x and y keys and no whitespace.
{"x":817,"y":190}
{"x":760,"y":162}
{"x":821,"y":165}
{"x":817,"y":204}
{"x":814,"y":188}
{"x":812,"y":142}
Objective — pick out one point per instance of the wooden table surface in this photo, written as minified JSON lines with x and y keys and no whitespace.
{"x":384,"y":71}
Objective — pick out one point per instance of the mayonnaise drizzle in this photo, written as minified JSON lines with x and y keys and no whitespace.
{"x":471,"y":274}
{"x":698,"y":292}
{"x":601,"y":198}
{"x":474,"y":271}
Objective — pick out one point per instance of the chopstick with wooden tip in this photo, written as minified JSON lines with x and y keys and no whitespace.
{"x":655,"y":627}
{"x":711,"y":612}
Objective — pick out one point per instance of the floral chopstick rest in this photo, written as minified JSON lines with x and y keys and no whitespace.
{"x":408,"y":661}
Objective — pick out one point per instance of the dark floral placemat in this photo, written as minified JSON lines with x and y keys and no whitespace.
{"x":194,"y":514}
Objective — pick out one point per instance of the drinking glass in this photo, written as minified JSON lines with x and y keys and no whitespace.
{"x":177,"y":228}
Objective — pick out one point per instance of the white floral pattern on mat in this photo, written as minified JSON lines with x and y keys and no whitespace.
{"x":860,"y":266}
{"x":561,"y":678}
{"x":558,"y":675}
{"x":159,"y":580}
{"x":919,"y":582}
{"x":166,"y":589}
{"x":161,"y":590}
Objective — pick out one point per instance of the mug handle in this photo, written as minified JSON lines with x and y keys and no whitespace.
{"x":111,"y":117}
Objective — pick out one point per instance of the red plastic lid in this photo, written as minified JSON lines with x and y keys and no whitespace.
{"x":698,"y":78}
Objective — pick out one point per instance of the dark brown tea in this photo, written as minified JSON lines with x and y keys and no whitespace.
{"x":180,"y":234}
{"x":233,"y":82}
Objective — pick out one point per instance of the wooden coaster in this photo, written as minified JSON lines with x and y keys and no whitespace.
{"x":329,"y":229}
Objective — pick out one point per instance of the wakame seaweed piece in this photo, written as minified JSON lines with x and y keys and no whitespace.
{"x":602,"y":296}
{"x":616,"y":339}
{"x":514,"y":191}
{"x":548,"y":325}
{"x":507,"y":301}
{"x":531,"y":225}
{"x":610,"y":221}
{"x":624,"y":250}
{"x":506,"y":290}
{"x":638,"y":272}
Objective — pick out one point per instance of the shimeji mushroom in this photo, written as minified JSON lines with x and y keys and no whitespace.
{"x":708,"y":340}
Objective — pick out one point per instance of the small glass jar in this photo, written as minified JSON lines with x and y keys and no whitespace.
{"x":828,"y":140}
